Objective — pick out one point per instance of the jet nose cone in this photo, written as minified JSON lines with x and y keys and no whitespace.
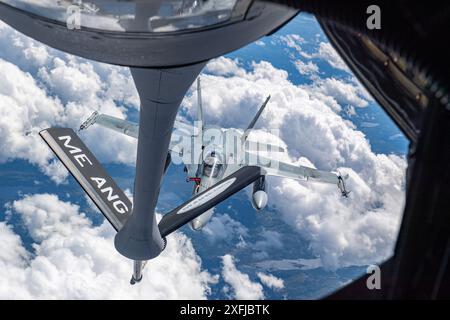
{"x":260,"y":199}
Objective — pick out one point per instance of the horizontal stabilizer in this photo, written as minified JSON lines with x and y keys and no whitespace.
{"x":208,"y":199}
{"x":85,"y":168}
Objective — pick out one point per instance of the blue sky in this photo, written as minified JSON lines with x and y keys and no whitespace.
{"x":308,"y":241}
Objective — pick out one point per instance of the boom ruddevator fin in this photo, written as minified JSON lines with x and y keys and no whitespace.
{"x":207,"y":199}
{"x":89,"y":173}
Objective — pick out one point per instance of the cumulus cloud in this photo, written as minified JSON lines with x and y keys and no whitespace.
{"x":327,"y":53}
{"x":296,"y":42}
{"x":342,"y":232}
{"x":306,"y":68}
{"x":41,"y":87}
{"x":243,"y":288}
{"x":366,"y":124}
{"x":224,"y":228}
{"x":324,"y":51}
{"x":344,"y":93}
{"x":24,"y":107}
{"x":271,"y":239}
{"x":223,"y":66}
{"x":71,"y":259}
{"x":271,"y":281}
{"x":298,"y":55}
{"x":221,"y":107}
{"x":267,"y":242}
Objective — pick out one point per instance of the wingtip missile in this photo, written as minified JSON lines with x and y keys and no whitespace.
{"x":341,"y":185}
{"x":89,"y":121}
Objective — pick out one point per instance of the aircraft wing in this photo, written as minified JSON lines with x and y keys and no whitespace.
{"x":126,"y":127}
{"x":287,"y":170}
{"x":131,"y":129}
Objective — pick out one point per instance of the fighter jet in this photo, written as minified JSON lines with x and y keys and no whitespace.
{"x":211,"y":154}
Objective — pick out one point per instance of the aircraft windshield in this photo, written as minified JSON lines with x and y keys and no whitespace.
{"x":132,"y":16}
{"x":212,"y":167}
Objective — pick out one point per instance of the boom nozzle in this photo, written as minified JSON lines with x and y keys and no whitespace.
{"x":138,"y":266}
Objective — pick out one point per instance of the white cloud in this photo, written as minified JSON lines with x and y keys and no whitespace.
{"x":396,"y":136}
{"x":74,"y":260}
{"x":243,"y":287}
{"x":324,"y":51}
{"x":270,"y":240}
{"x":24,"y":109}
{"x":344,"y":93}
{"x":42,"y":87}
{"x":224,"y":228}
{"x":22,"y":50}
{"x":223,"y":66}
{"x":236,"y":109}
{"x":71,"y":81}
{"x":366,"y":124}
{"x":271,"y":281}
{"x":306,"y":68}
{"x":295,"y":42}
{"x":327,"y":52}
{"x":342,"y":232}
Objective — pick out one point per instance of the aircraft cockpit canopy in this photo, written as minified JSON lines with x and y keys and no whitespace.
{"x":212,"y":166}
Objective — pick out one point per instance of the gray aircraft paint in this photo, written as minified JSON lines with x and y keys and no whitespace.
{"x":207,"y":195}
{"x":243,"y":177}
{"x":146,"y":49}
{"x":161,"y":92}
